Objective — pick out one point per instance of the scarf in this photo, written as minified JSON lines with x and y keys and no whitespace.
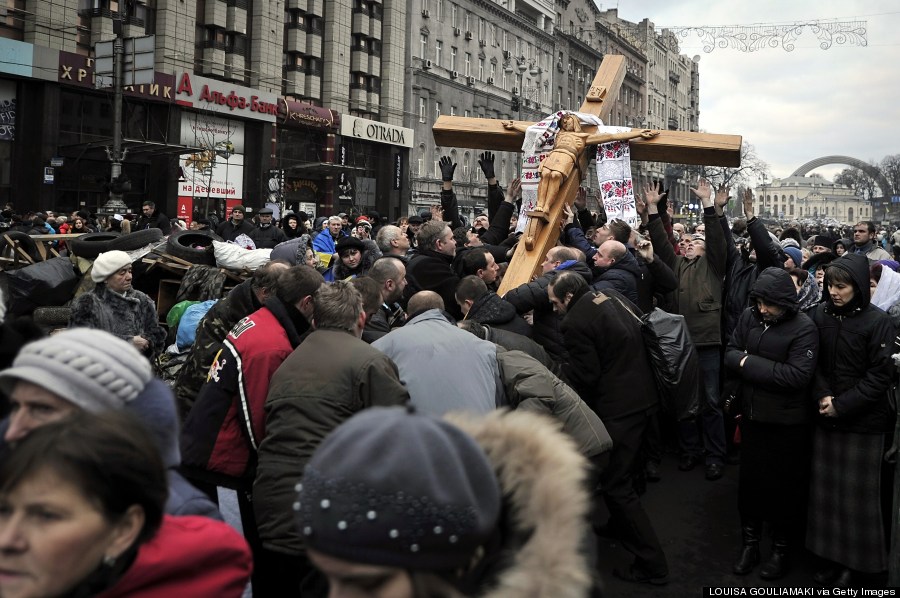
{"x":887,"y":293}
{"x":613,"y":165}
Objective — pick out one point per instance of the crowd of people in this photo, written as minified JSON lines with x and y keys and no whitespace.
{"x":365,"y":415}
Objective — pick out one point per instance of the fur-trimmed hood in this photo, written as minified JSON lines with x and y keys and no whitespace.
{"x":542,"y":477}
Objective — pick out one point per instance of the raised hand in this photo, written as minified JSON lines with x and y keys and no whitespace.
{"x":645,"y":248}
{"x":652,"y":193}
{"x":447,"y":167}
{"x":486,"y":161}
{"x":747,"y":201}
{"x":569,"y":215}
{"x":722,"y":198}
{"x":512,"y":192}
{"x":437,"y":212}
{"x":703,"y":191}
{"x":581,"y":199}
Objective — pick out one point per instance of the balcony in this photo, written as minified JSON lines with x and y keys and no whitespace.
{"x":236,"y":19}
{"x":359,"y":61}
{"x":314,"y":45}
{"x":296,"y":40}
{"x":674,"y":77}
{"x":673,"y":123}
{"x":375,"y":66}
{"x":295,"y":82}
{"x":296,"y":5}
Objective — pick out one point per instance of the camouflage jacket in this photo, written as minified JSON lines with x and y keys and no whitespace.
{"x":212,"y":330}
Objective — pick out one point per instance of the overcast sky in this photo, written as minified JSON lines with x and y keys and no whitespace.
{"x":800,"y":105}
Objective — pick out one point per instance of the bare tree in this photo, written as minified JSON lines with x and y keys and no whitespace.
{"x":862,"y":184}
{"x":890,"y":167}
{"x":750,"y":170}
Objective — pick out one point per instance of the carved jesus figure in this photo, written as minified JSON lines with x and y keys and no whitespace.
{"x":567,"y":149}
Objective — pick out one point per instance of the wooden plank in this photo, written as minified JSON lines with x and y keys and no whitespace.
{"x":17,"y":250}
{"x":676,"y":147}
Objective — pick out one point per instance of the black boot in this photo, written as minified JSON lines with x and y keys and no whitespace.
{"x":779,"y":563}
{"x":750,"y":551}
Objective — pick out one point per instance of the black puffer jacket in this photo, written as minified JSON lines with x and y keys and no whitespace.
{"x":533,"y":296}
{"x":491,"y":310}
{"x":855,"y":365}
{"x":428,"y":270}
{"x":623,"y":276}
{"x":781,"y":354}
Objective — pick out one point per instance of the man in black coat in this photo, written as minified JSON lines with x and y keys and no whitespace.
{"x":482,"y":305}
{"x":153,"y":218}
{"x":234,"y":226}
{"x":430,"y":267}
{"x":266,"y":235}
{"x":610,"y":369}
{"x":532,"y":297}
{"x":616,"y":269}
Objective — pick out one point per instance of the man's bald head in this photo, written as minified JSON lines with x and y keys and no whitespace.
{"x":423,"y":301}
{"x":609,"y":253}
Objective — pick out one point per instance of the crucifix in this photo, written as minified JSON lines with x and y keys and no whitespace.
{"x":680,"y":147}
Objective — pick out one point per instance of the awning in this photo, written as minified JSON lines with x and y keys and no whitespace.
{"x":326,"y":168}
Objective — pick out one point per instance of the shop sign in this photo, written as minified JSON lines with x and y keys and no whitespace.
{"x":398,"y":172}
{"x":7,"y":111}
{"x":377,"y":132}
{"x":211,"y":132}
{"x":307,"y":115}
{"x":224,"y":97}
{"x":209,"y":173}
{"x":75,"y":69}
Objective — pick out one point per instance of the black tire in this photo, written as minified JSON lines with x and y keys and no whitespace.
{"x":91,"y":245}
{"x":52,"y":317}
{"x":136,"y":240}
{"x":184,"y":244}
{"x":25,"y":242}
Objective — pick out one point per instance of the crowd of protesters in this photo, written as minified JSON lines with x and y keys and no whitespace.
{"x":365,"y":415}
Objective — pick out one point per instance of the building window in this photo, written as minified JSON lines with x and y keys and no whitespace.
{"x":480,"y":28}
{"x":423,"y":46}
{"x":466,"y":21}
{"x":438,"y":52}
{"x":454,"y":10}
{"x":452,"y":59}
{"x":437,"y":110}
{"x":452,"y":110}
{"x":468,"y":69}
{"x":421,"y":161}
{"x":440,"y":9}
{"x":423,"y":104}
{"x":481,"y":69}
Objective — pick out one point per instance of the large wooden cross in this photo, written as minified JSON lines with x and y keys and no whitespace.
{"x":680,"y":147}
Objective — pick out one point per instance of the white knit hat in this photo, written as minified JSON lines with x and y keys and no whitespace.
{"x":108,"y":264}
{"x":90,"y":368}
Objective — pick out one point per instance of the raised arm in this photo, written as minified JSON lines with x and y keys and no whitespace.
{"x":514,"y":126}
{"x":624,"y":136}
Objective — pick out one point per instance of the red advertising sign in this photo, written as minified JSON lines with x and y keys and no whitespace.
{"x":75,"y":69}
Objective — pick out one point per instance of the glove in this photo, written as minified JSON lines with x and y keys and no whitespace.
{"x":486,"y":161}
{"x":447,"y":168}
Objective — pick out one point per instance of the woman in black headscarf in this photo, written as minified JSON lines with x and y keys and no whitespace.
{"x":846,"y":525}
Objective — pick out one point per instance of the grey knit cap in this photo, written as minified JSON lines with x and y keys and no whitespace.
{"x":389,"y":487}
{"x":90,"y":368}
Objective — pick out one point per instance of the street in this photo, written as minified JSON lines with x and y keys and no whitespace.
{"x":697,"y":523}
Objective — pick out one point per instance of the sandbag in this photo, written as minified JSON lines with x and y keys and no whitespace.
{"x":46,"y":283}
{"x":235,"y":257}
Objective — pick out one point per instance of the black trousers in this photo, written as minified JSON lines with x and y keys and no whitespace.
{"x":630,"y":520}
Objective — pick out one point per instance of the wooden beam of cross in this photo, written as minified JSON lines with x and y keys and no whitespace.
{"x":679,"y":147}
